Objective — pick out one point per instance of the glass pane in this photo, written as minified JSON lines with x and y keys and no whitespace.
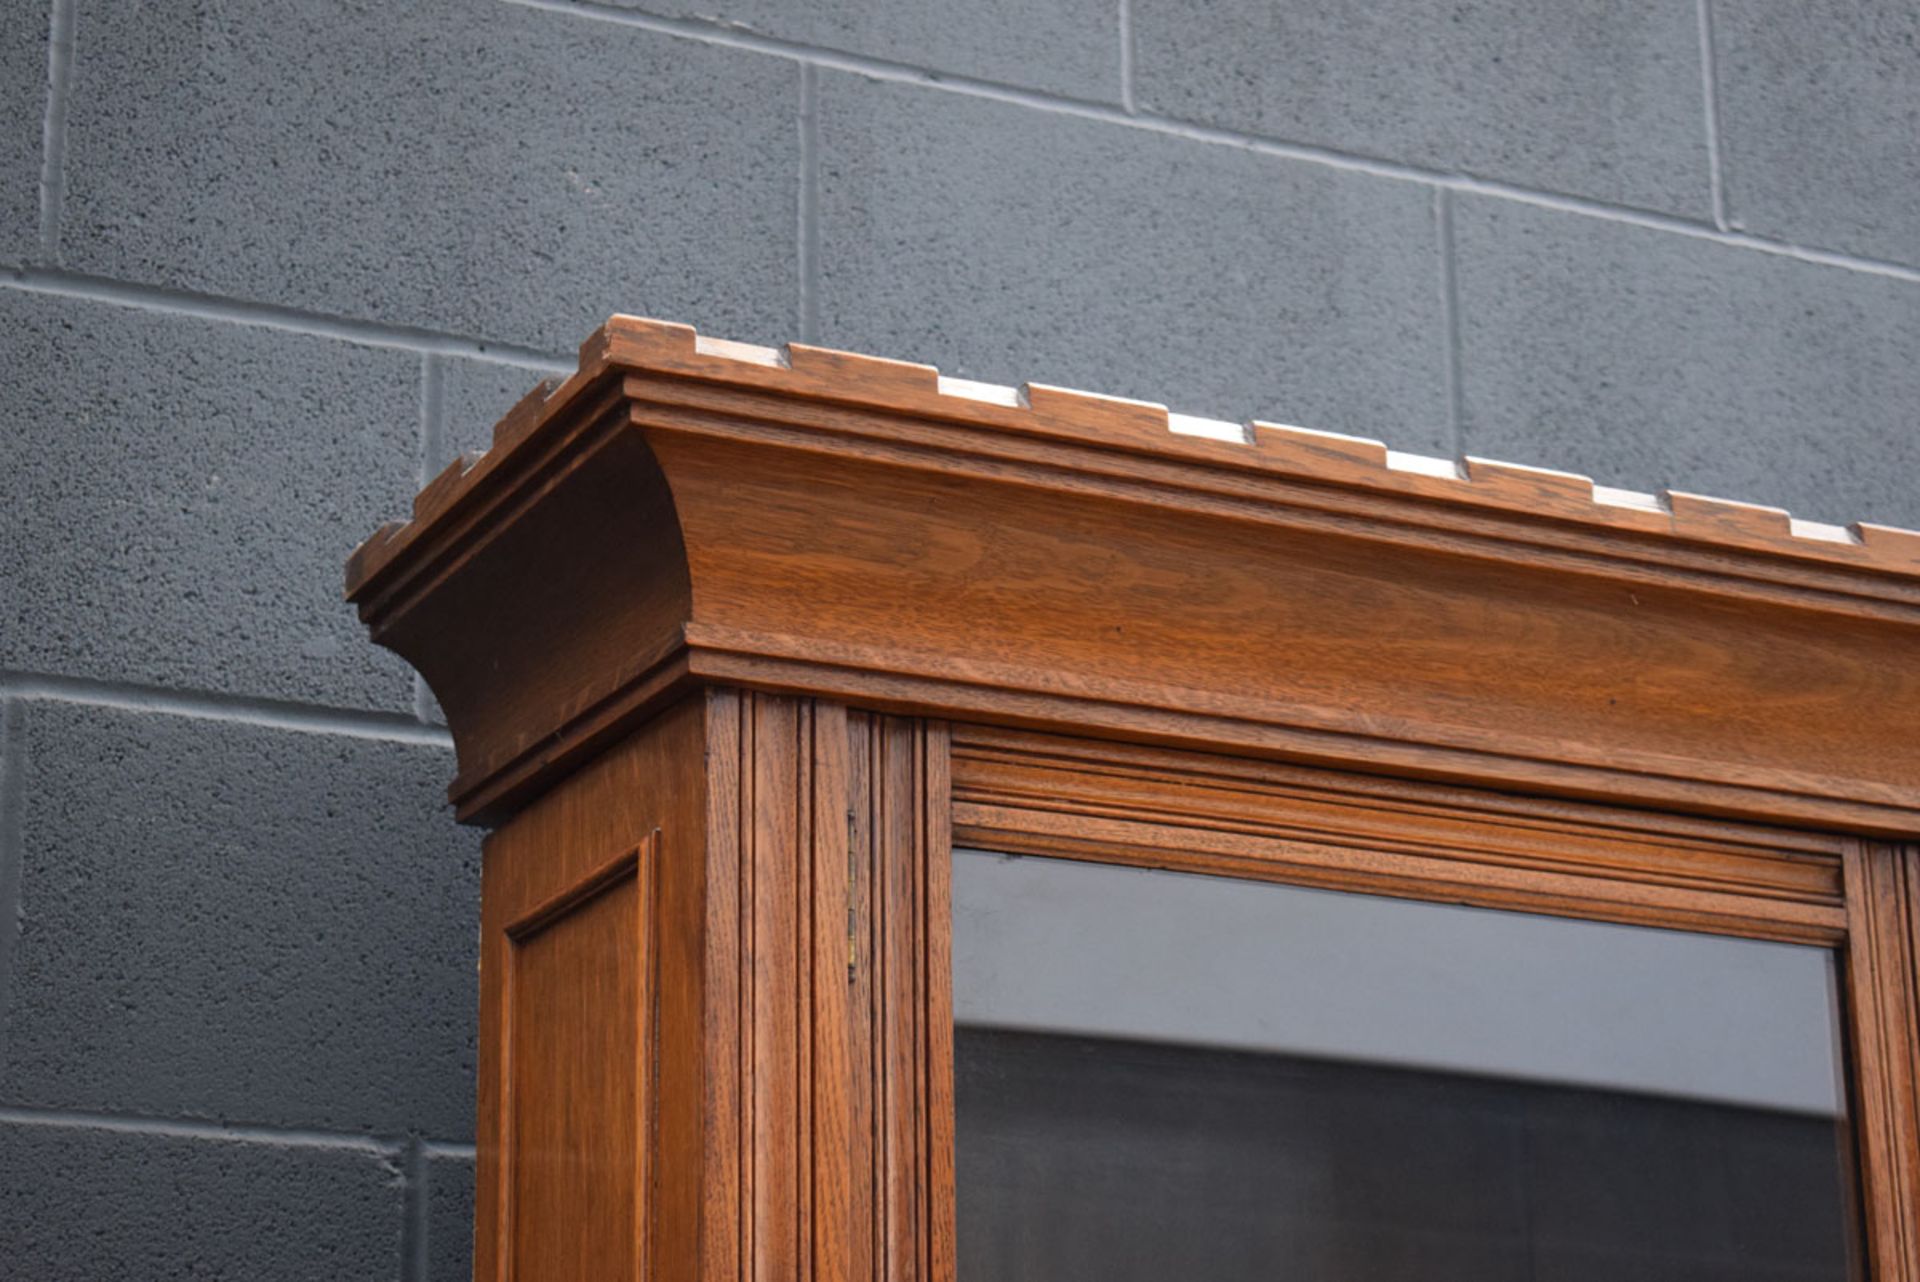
{"x":1164,"y":1075}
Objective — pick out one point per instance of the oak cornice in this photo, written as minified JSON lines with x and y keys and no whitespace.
{"x":684,"y":510}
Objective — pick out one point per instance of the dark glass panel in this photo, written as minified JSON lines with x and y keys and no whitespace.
{"x":1166,"y":1076}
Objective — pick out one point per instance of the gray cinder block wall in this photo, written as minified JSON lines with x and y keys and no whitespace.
{"x":266,"y":265}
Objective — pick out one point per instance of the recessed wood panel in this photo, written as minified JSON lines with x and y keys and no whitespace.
{"x":577,"y":1031}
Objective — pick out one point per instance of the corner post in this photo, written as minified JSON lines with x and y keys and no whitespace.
{"x":830,"y":1002}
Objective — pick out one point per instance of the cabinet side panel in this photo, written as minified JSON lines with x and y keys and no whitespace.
{"x":593,"y":1118}
{"x":576,"y":1054}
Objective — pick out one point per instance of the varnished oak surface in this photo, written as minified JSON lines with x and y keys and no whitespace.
{"x":685,"y":511}
{"x":715,"y":1021}
{"x":592,"y":1013}
{"x":827,"y":831}
{"x":734,"y":644}
{"x":802,"y":1126}
{"x":578,"y":1053}
{"x":1036,"y":794}
{"x":1883,"y":994}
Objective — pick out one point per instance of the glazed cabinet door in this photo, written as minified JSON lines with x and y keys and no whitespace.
{"x":1232,"y":1019}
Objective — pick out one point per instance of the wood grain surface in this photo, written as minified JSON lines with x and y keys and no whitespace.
{"x":1883,"y":1005}
{"x":684,"y":511}
{"x":1024,"y":793}
{"x":734,"y":643}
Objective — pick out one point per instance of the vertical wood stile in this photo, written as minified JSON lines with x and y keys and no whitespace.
{"x":894,"y":926}
{"x":724,"y":1234}
{"x":772,"y":821}
{"x":935,"y":788}
{"x":1883,"y":989}
{"x":836,"y":839}
{"x":912,"y":1020}
{"x":834,"y":1075}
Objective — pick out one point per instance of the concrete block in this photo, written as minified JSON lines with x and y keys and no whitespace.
{"x":1011,"y":245}
{"x":1645,"y":358}
{"x":23,"y":110}
{"x":449,"y":1218}
{"x":1070,"y":47}
{"x":474,"y":394}
{"x":84,"y":1205}
{"x":177,"y":497}
{"x":1820,"y":122}
{"x":1600,"y":98}
{"x":242,"y":924}
{"x":484,"y":169}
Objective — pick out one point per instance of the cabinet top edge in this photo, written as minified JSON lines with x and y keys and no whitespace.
{"x":1876,"y":560}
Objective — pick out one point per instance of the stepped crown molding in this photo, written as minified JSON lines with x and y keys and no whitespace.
{"x":685,"y":510}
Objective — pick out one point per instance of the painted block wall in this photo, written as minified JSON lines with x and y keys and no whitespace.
{"x":264,"y":266}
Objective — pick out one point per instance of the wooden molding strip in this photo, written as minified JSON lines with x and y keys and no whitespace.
{"x":1034,"y":794}
{"x":1332,"y":461}
{"x":686,"y":511}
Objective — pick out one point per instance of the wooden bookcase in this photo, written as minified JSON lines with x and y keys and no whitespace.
{"x":736,"y":644}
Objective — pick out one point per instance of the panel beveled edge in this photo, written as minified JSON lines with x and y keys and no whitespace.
{"x":598,"y":880}
{"x":743,"y":456}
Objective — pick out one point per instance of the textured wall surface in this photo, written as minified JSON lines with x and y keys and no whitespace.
{"x":263,"y":265}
